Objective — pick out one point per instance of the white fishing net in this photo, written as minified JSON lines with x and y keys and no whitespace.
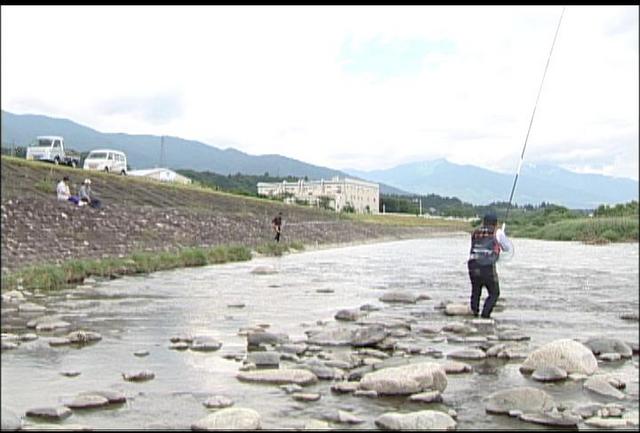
{"x":507,"y":253}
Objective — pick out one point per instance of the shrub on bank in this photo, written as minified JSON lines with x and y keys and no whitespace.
{"x":277,"y":249}
{"x":592,"y":230}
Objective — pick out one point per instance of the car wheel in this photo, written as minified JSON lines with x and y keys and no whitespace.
{"x":106,"y":169}
{"x":123,"y":173}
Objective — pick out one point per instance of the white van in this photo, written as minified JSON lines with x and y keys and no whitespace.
{"x":110,"y":161}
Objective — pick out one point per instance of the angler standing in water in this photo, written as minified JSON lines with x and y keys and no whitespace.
{"x":486,"y":244}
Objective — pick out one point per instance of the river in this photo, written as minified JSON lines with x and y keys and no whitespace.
{"x":549,"y":290}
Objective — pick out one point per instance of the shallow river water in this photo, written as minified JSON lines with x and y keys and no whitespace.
{"x":549,"y":290}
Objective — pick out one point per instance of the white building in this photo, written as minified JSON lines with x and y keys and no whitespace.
{"x":161,"y":174}
{"x":336,"y":193}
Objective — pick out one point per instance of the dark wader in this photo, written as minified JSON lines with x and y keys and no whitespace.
{"x":277,"y":226}
{"x":484,"y":253}
{"x":483,"y":276}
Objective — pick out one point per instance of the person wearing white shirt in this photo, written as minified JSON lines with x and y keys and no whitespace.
{"x":62,"y":189}
{"x":63,"y":192}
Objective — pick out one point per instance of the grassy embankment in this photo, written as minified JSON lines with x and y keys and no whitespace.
{"x":36,"y":181}
{"x":57,"y":276}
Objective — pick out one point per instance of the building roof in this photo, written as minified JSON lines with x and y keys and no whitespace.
{"x":333,"y":181}
{"x":148,"y":171}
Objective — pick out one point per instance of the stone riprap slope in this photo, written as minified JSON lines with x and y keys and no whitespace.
{"x":142,"y":215}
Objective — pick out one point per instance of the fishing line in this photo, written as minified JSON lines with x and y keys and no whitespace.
{"x":515,"y":180}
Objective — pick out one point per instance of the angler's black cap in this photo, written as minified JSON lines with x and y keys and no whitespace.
{"x":490,"y":219}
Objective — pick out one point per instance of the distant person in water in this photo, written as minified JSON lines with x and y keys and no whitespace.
{"x":486,"y":244}
{"x":277,"y":226}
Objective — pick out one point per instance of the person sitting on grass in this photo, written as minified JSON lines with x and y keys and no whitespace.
{"x":86,"y":196}
{"x":62,"y":190}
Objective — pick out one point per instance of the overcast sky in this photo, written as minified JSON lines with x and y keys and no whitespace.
{"x":343,"y":87}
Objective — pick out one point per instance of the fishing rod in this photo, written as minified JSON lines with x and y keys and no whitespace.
{"x":515,"y":180}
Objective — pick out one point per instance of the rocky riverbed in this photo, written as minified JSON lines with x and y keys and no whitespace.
{"x":371,"y":336}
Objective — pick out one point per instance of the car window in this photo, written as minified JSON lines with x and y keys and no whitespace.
{"x":44,"y":142}
{"x":97,"y":155}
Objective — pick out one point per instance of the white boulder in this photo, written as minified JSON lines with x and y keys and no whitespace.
{"x":569,"y":355}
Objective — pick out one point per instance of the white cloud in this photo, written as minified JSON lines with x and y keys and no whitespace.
{"x":276,"y":80}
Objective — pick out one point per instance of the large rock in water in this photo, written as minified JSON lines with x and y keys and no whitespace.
{"x":264,"y":359}
{"x":349,"y":314}
{"x":552,"y":418}
{"x":399,"y":296}
{"x":569,"y":355}
{"x":524,"y":399}
{"x":111,"y":395}
{"x":279,"y":376}
{"x":205,"y":344}
{"x":421,"y":420}
{"x":51,"y":413}
{"x":264,"y":270}
{"x":600,"y":385}
{"x":467,"y":354}
{"x":549,"y":374}
{"x":83,"y":337}
{"x":360,"y":337}
{"x":458,"y":310}
{"x":406,"y":379}
{"x":599,"y":345}
{"x":229,"y":419}
{"x":368,"y":336}
{"x":87,"y":401}
{"x":258,"y":338}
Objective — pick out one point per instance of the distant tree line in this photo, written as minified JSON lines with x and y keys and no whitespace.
{"x":619,"y":210}
{"x":244,"y":184}
{"x":432,"y":204}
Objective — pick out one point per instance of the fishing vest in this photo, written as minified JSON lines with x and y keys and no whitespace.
{"x":485,"y":248}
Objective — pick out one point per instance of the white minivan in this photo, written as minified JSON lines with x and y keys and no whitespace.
{"x":110,"y":161}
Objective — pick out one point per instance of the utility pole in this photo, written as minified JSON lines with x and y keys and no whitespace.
{"x":420,"y":206}
{"x":161,"y":151}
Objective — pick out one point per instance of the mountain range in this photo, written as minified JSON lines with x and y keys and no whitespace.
{"x":536,"y":183}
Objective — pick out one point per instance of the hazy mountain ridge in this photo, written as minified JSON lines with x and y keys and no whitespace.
{"x":143,"y":151}
{"x":536,"y":183}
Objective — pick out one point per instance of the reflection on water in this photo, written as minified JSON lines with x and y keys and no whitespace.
{"x":550,"y":290}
